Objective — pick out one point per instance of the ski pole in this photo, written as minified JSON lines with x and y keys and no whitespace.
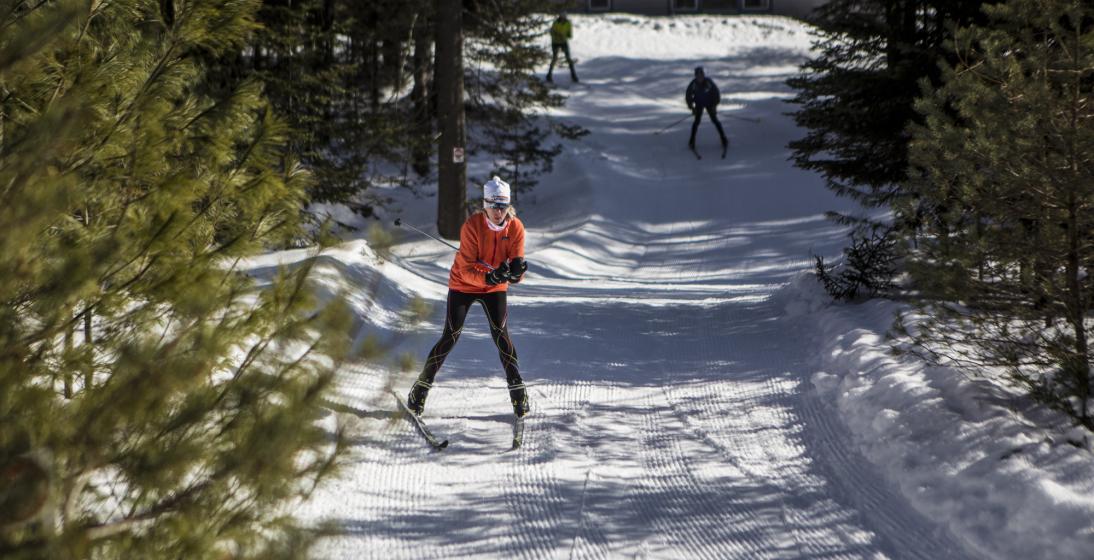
{"x":672,"y":125}
{"x":399,"y":223}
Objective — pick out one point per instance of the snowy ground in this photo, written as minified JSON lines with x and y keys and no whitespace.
{"x":694,"y":394}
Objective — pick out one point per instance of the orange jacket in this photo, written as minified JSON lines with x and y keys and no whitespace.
{"x":479,"y":242}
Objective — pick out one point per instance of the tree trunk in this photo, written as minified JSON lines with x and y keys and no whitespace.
{"x":69,"y":335}
{"x":900,"y":21}
{"x":3,"y":114}
{"x":89,"y":371}
{"x":451,"y":167}
{"x":374,"y":73}
{"x":391,"y":65}
{"x":419,"y":95}
{"x":167,"y":12}
{"x":324,"y":58}
{"x":1076,"y":306}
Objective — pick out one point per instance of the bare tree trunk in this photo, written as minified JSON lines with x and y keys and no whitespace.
{"x":3,"y":114}
{"x":1076,"y":310}
{"x":167,"y":12}
{"x":90,"y":370}
{"x":374,"y":73}
{"x":391,"y":70}
{"x":420,"y":94}
{"x":69,"y":334}
{"x":901,"y":20}
{"x":452,"y":169}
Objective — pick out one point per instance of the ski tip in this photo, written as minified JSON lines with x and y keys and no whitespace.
{"x":442,"y":445}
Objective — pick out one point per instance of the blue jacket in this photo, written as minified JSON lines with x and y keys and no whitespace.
{"x":705,"y":95}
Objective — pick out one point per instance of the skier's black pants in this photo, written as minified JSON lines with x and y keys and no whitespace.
{"x":565,"y":48}
{"x":698,"y":112}
{"x":496,"y":313}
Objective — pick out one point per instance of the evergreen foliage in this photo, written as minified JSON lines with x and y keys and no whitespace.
{"x":154,"y":403}
{"x":856,"y":97}
{"x":504,"y":94}
{"x":1004,"y":170}
{"x":357,"y":83}
{"x":336,"y":70}
{"x":868,"y":267}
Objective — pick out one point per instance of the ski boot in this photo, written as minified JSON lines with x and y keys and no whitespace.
{"x":415,"y":401}
{"x":519,"y":396}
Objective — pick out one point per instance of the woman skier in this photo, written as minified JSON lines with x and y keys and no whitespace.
{"x":491,"y":256}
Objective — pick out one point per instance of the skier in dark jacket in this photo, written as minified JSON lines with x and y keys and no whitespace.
{"x":703,"y":94}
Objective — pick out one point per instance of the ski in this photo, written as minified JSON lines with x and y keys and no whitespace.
{"x":420,"y":425}
{"x":725,"y":147}
{"x":518,"y":432}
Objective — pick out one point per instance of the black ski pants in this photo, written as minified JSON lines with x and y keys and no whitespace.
{"x":565,"y":48}
{"x":698,"y":112}
{"x":496,"y":313}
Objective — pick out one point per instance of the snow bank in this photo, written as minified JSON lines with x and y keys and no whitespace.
{"x":684,"y":37}
{"x":1008,"y":477}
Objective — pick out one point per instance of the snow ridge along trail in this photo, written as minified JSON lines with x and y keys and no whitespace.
{"x":672,"y":415}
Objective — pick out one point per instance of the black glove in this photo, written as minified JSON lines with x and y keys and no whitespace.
{"x":517,"y":267}
{"x":691,"y":107}
{"x":498,"y":275}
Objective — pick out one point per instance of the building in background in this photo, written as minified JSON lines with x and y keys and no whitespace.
{"x":795,"y":8}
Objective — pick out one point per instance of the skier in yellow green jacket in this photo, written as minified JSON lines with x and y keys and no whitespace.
{"x":561,"y":32}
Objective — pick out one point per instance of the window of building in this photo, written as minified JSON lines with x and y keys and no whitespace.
{"x":685,"y":5}
{"x":720,"y":5}
{"x":756,"y":4}
{"x":600,"y":5}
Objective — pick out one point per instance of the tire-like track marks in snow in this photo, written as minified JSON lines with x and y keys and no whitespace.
{"x":670,"y":427}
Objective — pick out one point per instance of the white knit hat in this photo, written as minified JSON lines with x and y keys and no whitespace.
{"x":495,"y":191}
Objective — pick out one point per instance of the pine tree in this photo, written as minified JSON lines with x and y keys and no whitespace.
{"x":1004,"y":165}
{"x":856,"y":102}
{"x":519,"y":151}
{"x":359,"y":87}
{"x":294,"y":53}
{"x":856,"y":97}
{"x":506,"y":102}
{"x":155,"y":403}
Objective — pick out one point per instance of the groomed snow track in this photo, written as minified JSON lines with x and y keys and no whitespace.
{"x":672,"y":413}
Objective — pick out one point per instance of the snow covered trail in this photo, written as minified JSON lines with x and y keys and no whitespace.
{"x":672,"y":415}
